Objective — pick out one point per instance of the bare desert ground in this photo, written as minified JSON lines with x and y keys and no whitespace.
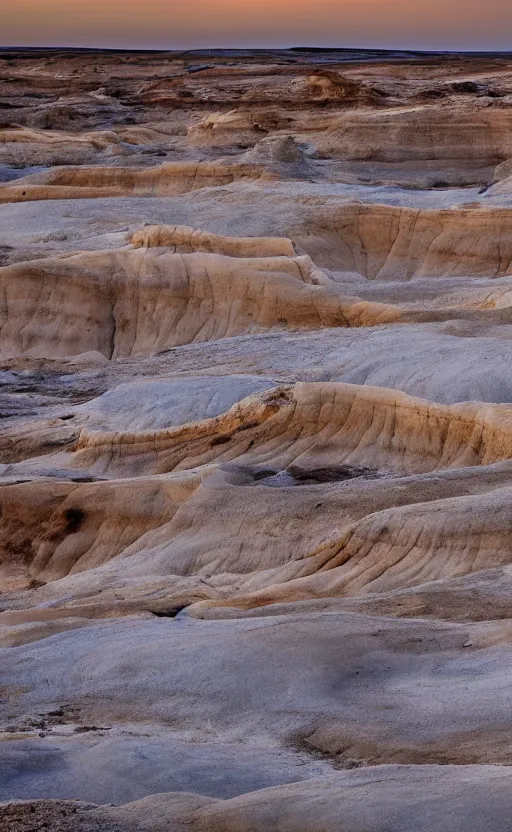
{"x":256,"y":441}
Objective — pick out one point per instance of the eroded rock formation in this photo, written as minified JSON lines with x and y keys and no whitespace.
{"x":256,"y":442}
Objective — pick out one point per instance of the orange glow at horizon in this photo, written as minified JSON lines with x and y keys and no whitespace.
{"x":484,"y":24}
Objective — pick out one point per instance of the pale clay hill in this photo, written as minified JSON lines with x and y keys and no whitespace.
{"x":256,"y":442}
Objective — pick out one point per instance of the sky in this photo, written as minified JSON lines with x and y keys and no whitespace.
{"x":187,"y":24}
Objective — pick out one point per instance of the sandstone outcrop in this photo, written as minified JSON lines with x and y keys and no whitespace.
{"x":181,"y":298}
{"x":87,"y":183}
{"x":384,"y":242}
{"x":328,"y":85}
{"x":421,"y":133}
{"x":245,"y":127}
{"x":255,"y":441}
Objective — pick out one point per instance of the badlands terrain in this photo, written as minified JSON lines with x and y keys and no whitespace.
{"x":256,"y":441}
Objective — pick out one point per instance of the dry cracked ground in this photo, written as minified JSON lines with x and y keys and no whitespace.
{"x":256,"y":442}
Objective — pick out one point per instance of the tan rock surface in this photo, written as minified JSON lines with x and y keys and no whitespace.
{"x":256,"y":442}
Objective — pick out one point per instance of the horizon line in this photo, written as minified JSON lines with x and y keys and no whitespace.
{"x":304,"y":48}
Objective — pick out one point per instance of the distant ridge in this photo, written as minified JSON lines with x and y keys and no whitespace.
{"x":315,"y":54}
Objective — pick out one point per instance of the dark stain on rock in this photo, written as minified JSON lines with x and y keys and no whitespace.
{"x":74,"y":518}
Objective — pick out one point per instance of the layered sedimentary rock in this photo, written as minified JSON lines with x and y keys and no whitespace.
{"x":181,"y":298}
{"x":256,"y":441}
{"x":390,"y":243}
{"x":422,"y":132}
{"x":85,"y":183}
